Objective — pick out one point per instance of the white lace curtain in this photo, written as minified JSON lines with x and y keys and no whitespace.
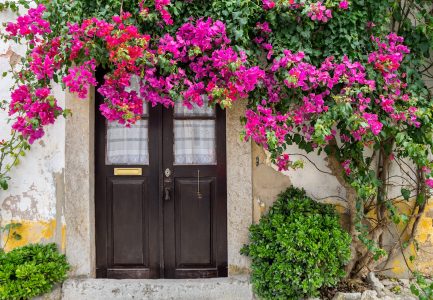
{"x":194,"y":135}
{"x":194,"y":142}
{"x":127,"y":146}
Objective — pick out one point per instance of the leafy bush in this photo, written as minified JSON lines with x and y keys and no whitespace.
{"x":30,"y":271}
{"x":297,"y":248}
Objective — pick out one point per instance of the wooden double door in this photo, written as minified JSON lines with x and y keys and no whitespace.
{"x":160,"y":190}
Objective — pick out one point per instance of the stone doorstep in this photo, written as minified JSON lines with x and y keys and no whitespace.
{"x":232,"y":288}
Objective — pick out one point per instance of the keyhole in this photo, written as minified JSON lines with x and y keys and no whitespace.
{"x":199,"y":194}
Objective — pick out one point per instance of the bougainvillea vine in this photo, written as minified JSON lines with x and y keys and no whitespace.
{"x":368,"y":100}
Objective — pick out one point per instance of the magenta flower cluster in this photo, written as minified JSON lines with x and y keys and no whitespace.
{"x":210,"y":67}
{"x":80,"y":77}
{"x":31,"y":23}
{"x":36,"y":109}
{"x":316,"y":93}
{"x":33,"y":107}
{"x":319,"y":12}
{"x":160,"y":6}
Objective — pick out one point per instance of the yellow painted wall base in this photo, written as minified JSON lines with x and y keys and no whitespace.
{"x":36,"y":232}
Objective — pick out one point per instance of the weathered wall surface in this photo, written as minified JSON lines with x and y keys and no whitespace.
{"x":314,"y":177}
{"x":323,"y":187}
{"x":36,"y":194}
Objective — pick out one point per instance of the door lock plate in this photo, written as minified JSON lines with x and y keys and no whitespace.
{"x":167,"y":172}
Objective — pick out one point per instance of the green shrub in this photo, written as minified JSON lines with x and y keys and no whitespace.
{"x":30,"y":271}
{"x":297,"y":248}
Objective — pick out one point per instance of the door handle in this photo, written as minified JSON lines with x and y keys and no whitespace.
{"x":167,"y":191}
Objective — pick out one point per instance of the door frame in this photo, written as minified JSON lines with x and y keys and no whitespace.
{"x":161,"y":142}
{"x":79,"y":205}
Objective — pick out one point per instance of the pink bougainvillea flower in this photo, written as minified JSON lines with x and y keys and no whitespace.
{"x":370,"y":25}
{"x":80,"y":78}
{"x":283,"y":162}
{"x":344,"y":5}
{"x":346,"y":166}
{"x":31,"y":23}
{"x":38,"y":110}
{"x":166,"y":17}
{"x":429,"y":182}
{"x":319,"y":12}
{"x":374,"y":124}
{"x":426,"y":170}
{"x":263,"y":27}
{"x":268,"y":4}
{"x":21,"y":99}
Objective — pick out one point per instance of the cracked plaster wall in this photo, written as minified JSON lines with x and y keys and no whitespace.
{"x":36,"y":192}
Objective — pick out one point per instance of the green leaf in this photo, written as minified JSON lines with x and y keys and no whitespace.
{"x":420,"y":199}
{"x":405,"y":193}
{"x":4,"y":184}
{"x":414,"y":290}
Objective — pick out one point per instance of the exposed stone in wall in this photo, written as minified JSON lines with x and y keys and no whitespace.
{"x":423,"y":251}
{"x":424,"y":261}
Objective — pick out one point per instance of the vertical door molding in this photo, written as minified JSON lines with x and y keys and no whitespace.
{"x":239,"y":190}
{"x":79,"y":185}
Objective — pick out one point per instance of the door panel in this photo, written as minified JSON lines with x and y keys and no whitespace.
{"x":167,"y":217}
{"x":130,"y":238}
{"x":194,"y":218}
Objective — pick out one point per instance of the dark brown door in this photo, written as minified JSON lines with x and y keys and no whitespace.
{"x":161,"y":195}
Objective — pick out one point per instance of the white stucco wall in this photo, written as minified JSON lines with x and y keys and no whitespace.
{"x":33,"y":195}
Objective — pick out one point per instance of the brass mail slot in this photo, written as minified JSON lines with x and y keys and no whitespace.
{"x":128,"y":171}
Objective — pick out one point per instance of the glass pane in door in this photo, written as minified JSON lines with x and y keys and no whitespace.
{"x":194,"y":142}
{"x":127,"y":145}
{"x":194,"y":134}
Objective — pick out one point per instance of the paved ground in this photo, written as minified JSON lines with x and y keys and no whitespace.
{"x":234,"y":288}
